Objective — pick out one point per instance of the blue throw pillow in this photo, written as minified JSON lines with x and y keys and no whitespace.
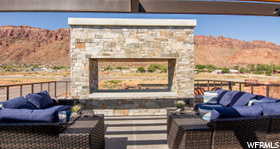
{"x":41,"y":100}
{"x":212,"y":115}
{"x":243,"y":99}
{"x":227,"y":98}
{"x":248,"y":111}
{"x":210,"y":97}
{"x":18,"y":103}
{"x":270,"y":109}
{"x":205,"y":108}
{"x":219,"y":91}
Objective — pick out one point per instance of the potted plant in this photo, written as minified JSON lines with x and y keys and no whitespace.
{"x":180,"y":106}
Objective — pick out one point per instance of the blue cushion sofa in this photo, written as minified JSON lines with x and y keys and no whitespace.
{"x":230,"y":104}
{"x":37,"y":107}
{"x":32,"y":122}
{"x":230,"y":120}
{"x":235,"y":118}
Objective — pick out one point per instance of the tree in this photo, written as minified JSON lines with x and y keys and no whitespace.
{"x":141,"y":69}
{"x":200,"y":66}
{"x":225,"y":70}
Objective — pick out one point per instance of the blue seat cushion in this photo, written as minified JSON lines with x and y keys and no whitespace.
{"x":247,"y":111}
{"x":241,"y":99}
{"x":27,"y":115}
{"x":220,"y":90}
{"x":19,"y":103}
{"x":220,"y":113}
{"x":228,"y":97}
{"x":268,"y":99}
{"x":270,"y":109}
{"x":227,"y":112}
{"x":262,"y":100}
{"x":205,"y":108}
{"x":41,"y":100}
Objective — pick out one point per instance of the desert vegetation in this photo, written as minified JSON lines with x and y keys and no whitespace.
{"x":263,"y":69}
{"x":31,"y":68}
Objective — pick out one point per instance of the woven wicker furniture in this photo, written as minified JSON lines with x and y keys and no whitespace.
{"x":188,"y":131}
{"x":87,"y":132}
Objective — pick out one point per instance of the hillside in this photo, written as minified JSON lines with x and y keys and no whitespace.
{"x":29,"y":45}
{"x":223,"y":51}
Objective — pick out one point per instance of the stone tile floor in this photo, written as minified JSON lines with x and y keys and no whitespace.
{"x":136,"y":132}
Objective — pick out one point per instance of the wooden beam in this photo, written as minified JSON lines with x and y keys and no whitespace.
{"x":274,"y":1}
{"x":209,"y":7}
{"x":66,"y":5}
{"x":147,"y":6}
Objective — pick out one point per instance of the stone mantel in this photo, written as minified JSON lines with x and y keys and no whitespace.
{"x":131,"y":22}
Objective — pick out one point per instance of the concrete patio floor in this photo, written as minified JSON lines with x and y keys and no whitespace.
{"x":136,"y":132}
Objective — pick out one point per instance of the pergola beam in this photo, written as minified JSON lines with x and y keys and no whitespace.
{"x":66,"y":5}
{"x":209,"y":7}
{"x":144,"y":6}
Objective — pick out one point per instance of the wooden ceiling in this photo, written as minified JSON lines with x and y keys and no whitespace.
{"x":241,"y":7}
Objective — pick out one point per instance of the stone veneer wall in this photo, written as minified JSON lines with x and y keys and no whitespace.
{"x":92,"y":42}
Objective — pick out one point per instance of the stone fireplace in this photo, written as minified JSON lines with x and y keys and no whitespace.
{"x":94,"y":40}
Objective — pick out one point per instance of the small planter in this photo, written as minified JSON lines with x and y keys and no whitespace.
{"x":180,"y":107}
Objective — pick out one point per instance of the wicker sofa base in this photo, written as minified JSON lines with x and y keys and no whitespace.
{"x":84,"y":133}
{"x":188,"y":131}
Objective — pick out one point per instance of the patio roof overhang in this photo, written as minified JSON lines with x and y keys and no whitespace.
{"x":237,"y":7}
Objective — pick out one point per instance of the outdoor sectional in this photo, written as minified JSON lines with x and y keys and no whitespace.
{"x":229,"y":130}
{"x":83,"y":132}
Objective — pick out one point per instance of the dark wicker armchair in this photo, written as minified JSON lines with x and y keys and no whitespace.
{"x":86,"y":132}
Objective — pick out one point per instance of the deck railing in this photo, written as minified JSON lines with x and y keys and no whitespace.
{"x":269,"y":90}
{"x":55,"y":89}
{"x":62,"y":88}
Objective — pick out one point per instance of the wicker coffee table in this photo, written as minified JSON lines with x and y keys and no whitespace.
{"x":86,"y":133}
{"x":188,"y":131}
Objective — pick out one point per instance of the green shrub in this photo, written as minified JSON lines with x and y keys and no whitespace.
{"x":243,"y":70}
{"x":163,"y":69}
{"x":225,"y":70}
{"x":159,"y":67}
{"x":211,"y":68}
{"x":200,"y":66}
{"x":268,"y":73}
{"x":153,"y":67}
{"x":141,"y":69}
{"x":108,"y":68}
{"x":252,"y":67}
{"x":59,"y":67}
{"x":236,"y":67}
{"x":258,"y":72}
{"x":114,"y":81}
{"x":112,"y":84}
{"x":121,"y":68}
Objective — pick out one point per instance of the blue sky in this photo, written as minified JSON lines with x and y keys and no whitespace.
{"x":240,"y":27}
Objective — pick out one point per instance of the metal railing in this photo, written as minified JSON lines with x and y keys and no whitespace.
{"x":62,"y":88}
{"x":55,"y":89}
{"x":269,"y":90}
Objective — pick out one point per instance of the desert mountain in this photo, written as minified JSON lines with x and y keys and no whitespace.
{"x":30,"y":45}
{"x":24,"y":44}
